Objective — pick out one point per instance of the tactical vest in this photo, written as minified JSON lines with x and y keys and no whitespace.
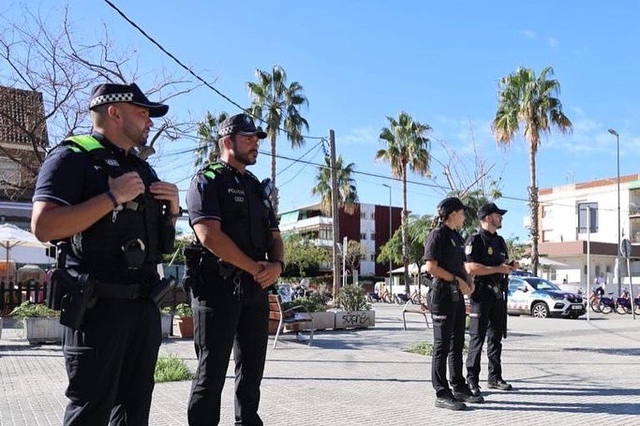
{"x":124,"y":246}
{"x":244,"y":210}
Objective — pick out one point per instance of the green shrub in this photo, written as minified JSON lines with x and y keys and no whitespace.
{"x":315,"y":302}
{"x":171,"y":369}
{"x":352,"y":297}
{"x":165,"y":311}
{"x":426,"y":348}
{"x":30,"y":310}
{"x":184,"y":310}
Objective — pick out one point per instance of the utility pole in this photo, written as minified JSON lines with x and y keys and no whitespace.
{"x":334,"y":213}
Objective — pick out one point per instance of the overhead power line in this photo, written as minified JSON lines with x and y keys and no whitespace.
{"x":190,"y":71}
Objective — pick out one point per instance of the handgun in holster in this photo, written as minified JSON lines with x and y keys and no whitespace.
{"x":160,"y":289}
{"x":192,"y":259}
{"x":77,"y":300}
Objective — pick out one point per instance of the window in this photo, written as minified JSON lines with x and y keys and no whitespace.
{"x":373,"y":236}
{"x":373,"y":216}
{"x":373,"y":258}
{"x":363,"y":236}
{"x":9,"y":172}
{"x":363,"y":215}
{"x":584,"y":219}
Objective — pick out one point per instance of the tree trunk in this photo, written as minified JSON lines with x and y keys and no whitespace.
{"x":533,"y":206}
{"x":405,"y":242}
{"x":274,"y":193}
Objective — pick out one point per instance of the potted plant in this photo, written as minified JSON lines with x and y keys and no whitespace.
{"x":165,"y":321}
{"x":40,"y":323}
{"x":184,"y":320}
{"x":356,"y":311}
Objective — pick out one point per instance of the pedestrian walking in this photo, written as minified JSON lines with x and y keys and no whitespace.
{"x":241,"y":255}
{"x":116,"y":219}
{"x":486,"y":261}
{"x":444,"y":255}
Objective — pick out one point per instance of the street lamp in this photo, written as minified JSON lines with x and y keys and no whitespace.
{"x":615,"y":133}
{"x":390,"y":230}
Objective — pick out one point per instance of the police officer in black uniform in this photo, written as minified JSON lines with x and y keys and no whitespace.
{"x":486,"y":260}
{"x":116,"y":218}
{"x":444,"y":255}
{"x":242,"y":255}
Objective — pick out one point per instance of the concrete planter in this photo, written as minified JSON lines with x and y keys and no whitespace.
{"x":165,"y":325}
{"x":321,"y":321}
{"x":43,"y":330}
{"x":355,"y":319}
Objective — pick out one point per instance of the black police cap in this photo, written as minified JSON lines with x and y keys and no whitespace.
{"x":130,"y":93}
{"x":240,"y":124}
{"x":450,"y":205}
{"x":489,"y":208}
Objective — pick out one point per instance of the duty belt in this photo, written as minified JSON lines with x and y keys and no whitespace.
{"x":121,"y":291}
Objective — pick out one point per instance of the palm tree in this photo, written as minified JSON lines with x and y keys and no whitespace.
{"x":276,"y":105}
{"x":208,"y":150}
{"x":531,"y":101}
{"x":347,"y":193}
{"x":407,"y":149}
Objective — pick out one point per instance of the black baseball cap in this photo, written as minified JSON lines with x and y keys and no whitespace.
{"x":130,"y":93}
{"x":489,"y":208}
{"x":240,"y":124}
{"x":450,"y":205}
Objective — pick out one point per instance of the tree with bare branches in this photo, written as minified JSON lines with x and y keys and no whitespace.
{"x":57,"y":67}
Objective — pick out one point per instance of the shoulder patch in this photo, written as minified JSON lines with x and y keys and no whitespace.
{"x":468,"y":249}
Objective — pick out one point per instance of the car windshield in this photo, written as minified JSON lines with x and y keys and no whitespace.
{"x":541,"y":284}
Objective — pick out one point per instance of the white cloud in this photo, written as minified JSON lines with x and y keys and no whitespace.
{"x":360,"y":135}
{"x":553,"y":42}
{"x":531,"y":35}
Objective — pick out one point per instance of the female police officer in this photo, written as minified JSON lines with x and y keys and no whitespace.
{"x":444,"y":255}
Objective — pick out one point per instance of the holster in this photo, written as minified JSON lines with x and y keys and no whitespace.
{"x":193,"y":254}
{"x":160,"y":290}
{"x":77,"y":299}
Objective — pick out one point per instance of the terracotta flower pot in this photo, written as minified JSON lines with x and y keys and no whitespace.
{"x":185,"y":326}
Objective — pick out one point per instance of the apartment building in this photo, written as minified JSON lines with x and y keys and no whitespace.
{"x":574,"y":214}
{"x":369,"y":224}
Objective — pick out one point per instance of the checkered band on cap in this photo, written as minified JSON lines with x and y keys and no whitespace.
{"x":226,"y":130}
{"x":111,"y":98}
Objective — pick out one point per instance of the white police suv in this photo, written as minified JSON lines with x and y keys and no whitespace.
{"x":541,"y":298}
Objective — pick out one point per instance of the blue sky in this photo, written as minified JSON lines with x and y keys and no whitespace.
{"x":360,"y":61}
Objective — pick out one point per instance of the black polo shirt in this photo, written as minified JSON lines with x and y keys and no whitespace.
{"x":69,"y":177}
{"x":447,"y":247}
{"x":486,"y":248}
{"x":235,"y":200}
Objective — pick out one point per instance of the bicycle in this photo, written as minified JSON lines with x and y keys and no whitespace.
{"x":607,"y":304}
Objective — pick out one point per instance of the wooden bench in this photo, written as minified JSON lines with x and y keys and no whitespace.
{"x":291,"y":318}
{"x":411,"y":308}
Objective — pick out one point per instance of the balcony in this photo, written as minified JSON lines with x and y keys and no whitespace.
{"x":306,"y":225}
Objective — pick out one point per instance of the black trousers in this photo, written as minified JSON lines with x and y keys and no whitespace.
{"x":488,"y":321}
{"x":111,"y":362}
{"x":448,"y":343}
{"x":230,"y":317}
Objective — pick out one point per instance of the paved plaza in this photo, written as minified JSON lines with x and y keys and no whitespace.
{"x":569,"y":372}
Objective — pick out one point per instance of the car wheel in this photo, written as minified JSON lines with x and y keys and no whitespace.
{"x":540,"y":310}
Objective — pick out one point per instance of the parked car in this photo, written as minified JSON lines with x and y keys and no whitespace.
{"x":541,"y":298}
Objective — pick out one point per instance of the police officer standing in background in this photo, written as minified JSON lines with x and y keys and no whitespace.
{"x":243,"y":254}
{"x":486,"y":260}
{"x":444,"y":254}
{"x":118,"y":218}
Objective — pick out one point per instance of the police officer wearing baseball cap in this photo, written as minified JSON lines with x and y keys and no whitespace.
{"x":444,"y":255}
{"x":117,"y":217}
{"x":487,"y":261}
{"x":242,"y":254}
